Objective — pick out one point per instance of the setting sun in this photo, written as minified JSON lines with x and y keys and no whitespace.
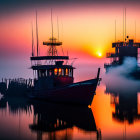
{"x":99,"y":54}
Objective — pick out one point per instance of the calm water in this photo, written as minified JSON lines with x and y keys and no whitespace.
{"x":113,"y":114}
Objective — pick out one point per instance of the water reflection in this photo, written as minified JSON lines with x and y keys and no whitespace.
{"x":2,"y":103}
{"x":125,"y":99}
{"x":27,"y":119}
{"x":59,"y":120}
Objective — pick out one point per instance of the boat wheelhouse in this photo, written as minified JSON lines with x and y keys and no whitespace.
{"x":52,"y":70}
{"x":122,"y":50}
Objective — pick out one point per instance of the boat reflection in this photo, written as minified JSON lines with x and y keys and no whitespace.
{"x":15,"y":105}
{"x":46,"y":120}
{"x":59,"y":121}
{"x":3,"y":103}
{"x":125,"y":99}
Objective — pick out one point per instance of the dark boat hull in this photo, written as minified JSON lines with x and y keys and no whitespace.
{"x":76,"y":93}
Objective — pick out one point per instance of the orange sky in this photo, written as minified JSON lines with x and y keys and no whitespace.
{"x":84,"y":30}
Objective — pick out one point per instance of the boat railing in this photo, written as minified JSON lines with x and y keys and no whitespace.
{"x":125,"y":44}
{"x":108,"y":55}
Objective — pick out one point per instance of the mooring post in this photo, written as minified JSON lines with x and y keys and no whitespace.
{"x":5,"y":82}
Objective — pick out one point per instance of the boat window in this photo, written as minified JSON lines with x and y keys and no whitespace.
{"x":43,"y":74}
{"x":70,"y":72}
{"x":66,"y":72}
{"x":59,"y":71}
{"x":39,"y":73}
{"x":63,"y":72}
{"x":55,"y":71}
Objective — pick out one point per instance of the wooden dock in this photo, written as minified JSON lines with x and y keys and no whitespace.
{"x":15,"y":87}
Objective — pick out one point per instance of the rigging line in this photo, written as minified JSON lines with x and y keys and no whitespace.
{"x":37,"y":33}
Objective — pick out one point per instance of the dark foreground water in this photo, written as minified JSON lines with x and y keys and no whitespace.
{"x":113,"y":114}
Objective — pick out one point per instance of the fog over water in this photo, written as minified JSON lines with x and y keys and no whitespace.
{"x":118,"y":77}
{"x":128,"y":66}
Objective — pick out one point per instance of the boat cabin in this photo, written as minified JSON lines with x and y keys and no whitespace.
{"x":123,"y":49}
{"x":56,"y":70}
{"x":52,"y":70}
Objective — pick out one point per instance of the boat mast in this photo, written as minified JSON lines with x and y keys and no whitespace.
{"x":32,"y":41}
{"x":58,"y":28}
{"x":37,"y":33}
{"x":58,"y":34}
{"x":52,"y":33}
{"x":125,"y":24}
{"x":52,"y":43}
{"x":115,"y":30}
{"x":135,"y":31}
